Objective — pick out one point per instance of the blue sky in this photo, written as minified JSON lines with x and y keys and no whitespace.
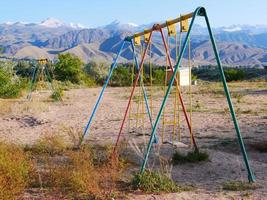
{"x":93,"y":13}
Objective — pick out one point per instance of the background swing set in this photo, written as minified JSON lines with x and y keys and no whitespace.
{"x":174,"y":82}
{"x":40,"y":72}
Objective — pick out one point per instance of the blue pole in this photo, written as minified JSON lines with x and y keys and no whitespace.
{"x":144,"y":91}
{"x":113,"y":66}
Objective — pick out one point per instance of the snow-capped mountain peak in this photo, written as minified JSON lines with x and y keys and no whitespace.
{"x":118,"y":25}
{"x":132,"y":24}
{"x":232,"y":29}
{"x":52,"y":23}
{"x":55,"y":23}
{"x":77,"y":26}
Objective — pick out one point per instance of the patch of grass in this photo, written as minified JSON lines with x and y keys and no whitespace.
{"x":249,"y":111}
{"x":238,"y":96}
{"x":73,"y":134}
{"x":51,"y":145}
{"x":155,"y":182}
{"x":57,"y":95}
{"x":227,"y":142}
{"x":75,"y":176}
{"x":238,"y":186}
{"x":84,"y":174}
{"x":192,"y":157}
{"x":6,"y":106}
{"x":14,"y":170}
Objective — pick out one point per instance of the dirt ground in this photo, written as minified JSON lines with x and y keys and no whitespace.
{"x":24,"y":122}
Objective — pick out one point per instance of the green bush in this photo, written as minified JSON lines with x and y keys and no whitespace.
{"x":14,"y":171}
{"x":154,"y":182}
{"x":234,"y":75}
{"x":211,"y":73}
{"x":10,"y":86}
{"x":57,"y":94}
{"x":193,"y":156}
{"x":24,"y":69}
{"x":158,"y":77}
{"x":122,"y":76}
{"x":69,"y":68}
{"x":97,"y":72}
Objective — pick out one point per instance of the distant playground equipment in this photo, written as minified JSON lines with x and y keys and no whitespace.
{"x":175,"y":78}
{"x":40,"y":72}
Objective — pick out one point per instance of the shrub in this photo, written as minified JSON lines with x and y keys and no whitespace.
{"x":211,"y":73}
{"x":234,"y":75}
{"x":154,"y":182}
{"x":97,"y":71}
{"x":77,"y":177}
{"x":122,"y":76}
{"x":87,"y":80}
{"x":14,"y":171}
{"x":68,"y":68}
{"x":193,"y":156}
{"x":24,"y":69}
{"x":51,"y":145}
{"x":57,"y":94}
{"x":80,"y":177}
{"x":10,"y":86}
{"x":238,"y":186}
{"x":159,"y":76}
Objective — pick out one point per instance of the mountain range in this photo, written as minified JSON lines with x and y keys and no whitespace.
{"x":237,"y":44}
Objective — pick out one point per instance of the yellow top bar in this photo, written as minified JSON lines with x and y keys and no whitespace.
{"x":170,"y":22}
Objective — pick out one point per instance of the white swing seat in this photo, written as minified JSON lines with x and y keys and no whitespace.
{"x":177,"y":144}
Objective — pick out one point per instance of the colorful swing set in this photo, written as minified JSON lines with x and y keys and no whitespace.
{"x":40,"y":72}
{"x":135,"y":40}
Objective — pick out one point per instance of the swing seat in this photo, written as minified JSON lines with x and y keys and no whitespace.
{"x":177,"y":144}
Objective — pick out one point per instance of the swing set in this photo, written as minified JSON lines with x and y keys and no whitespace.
{"x":40,"y":72}
{"x":173,"y":80}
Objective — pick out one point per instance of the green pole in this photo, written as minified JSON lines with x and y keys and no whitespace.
{"x":49,"y":77}
{"x":34,"y":77}
{"x":177,"y":68}
{"x":251,"y":176}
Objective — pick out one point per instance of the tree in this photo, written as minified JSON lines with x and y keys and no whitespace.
{"x":121,"y":77}
{"x":23,"y":69}
{"x":69,"y":68}
{"x":10,"y":86}
{"x":234,"y":75}
{"x":97,"y":71}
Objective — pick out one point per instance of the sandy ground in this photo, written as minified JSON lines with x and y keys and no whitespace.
{"x":24,"y":122}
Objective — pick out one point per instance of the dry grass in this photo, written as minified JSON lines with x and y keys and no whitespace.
{"x":239,"y":186}
{"x":5,"y":106}
{"x":50,"y":144}
{"x":14,"y":171}
{"x":87,"y":173}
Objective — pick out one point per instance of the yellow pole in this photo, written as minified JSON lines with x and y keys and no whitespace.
{"x":179,"y":115}
{"x":174,"y":104}
{"x":164,"y":111}
{"x":131,"y":103}
{"x":151,"y":80}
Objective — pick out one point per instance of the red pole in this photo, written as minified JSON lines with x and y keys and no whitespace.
{"x":180,"y":95}
{"x":137,"y":76}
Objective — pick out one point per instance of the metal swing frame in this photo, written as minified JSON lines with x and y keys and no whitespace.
{"x":37,"y":65}
{"x":199,"y":12}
